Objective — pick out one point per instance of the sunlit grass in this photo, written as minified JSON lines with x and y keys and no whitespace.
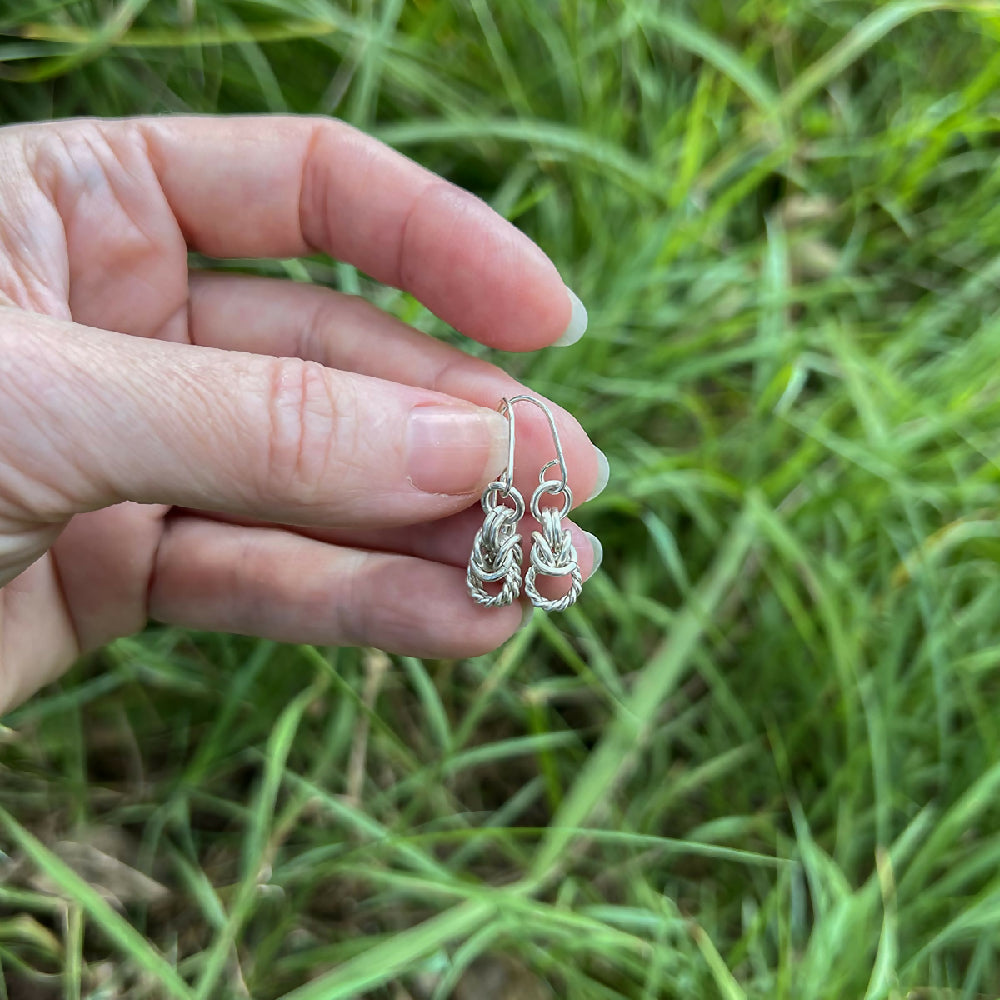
{"x":761,"y":757}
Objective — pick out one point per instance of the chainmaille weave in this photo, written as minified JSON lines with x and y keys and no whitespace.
{"x":552,"y":554}
{"x":496,"y":551}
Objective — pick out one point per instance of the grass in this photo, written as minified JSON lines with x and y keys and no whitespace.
{"x":761,"y":758}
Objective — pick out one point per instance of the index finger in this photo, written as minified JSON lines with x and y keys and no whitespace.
{"x":280,"y":186}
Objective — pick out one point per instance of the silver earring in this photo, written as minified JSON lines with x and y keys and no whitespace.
{"x":496,"y":551}
{"x":552,"y":550}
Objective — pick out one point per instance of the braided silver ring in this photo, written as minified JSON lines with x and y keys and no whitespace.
{"x":496,"y":550}
{"x":552,"y":554}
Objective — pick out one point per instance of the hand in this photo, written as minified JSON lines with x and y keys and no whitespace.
{"x":157,"y":426}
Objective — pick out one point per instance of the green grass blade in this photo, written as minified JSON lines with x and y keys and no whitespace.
{"x":713,"y":50}
{"x":624,"y":737}
{"x":386,"y":960}
{"x":111,"y":924}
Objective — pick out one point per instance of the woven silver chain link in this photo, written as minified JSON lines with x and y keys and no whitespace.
{"x":496,"y":550}
{"x":552,"y":549}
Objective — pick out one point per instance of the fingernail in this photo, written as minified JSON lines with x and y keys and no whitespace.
{"x":598,"y":550}
{"x":603,"y":474}
{"x":526,"y":616}
{"x":452,"y":449}
{"x":577,"y":322}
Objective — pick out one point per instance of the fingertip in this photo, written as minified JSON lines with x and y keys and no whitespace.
{"x":482,"y":274}
{"x":603,"y":474}
{"x":526,"y":617}
{"x":597,"y":552}
{"x":488,"y":628}
{"x":589,"y":551}
{"x":577,"y":325}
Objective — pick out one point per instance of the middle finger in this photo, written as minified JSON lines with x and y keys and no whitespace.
{"x":287,"y":319}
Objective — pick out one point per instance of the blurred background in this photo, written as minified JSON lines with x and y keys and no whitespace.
{"x":761,"y":756}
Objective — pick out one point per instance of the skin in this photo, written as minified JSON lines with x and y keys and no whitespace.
{"x":235,"y":453}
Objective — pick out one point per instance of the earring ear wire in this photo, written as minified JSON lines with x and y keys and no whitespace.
{"x":552,"y":550}
{"x":496,"y":551}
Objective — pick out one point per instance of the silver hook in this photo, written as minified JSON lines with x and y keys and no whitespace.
{"x":506,"y":406}
{"x":507,"y":477}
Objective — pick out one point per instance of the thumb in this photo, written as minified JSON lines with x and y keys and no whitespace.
{"x":89,"y":418}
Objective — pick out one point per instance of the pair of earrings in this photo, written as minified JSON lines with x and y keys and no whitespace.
{"x":496,"y":552}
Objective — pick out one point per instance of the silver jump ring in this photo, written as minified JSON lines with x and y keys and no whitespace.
{"x":553,"y":487}
{"x":492,"y":494}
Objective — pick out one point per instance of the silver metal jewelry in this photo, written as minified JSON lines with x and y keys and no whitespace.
{"x":552,"y":549}
{"x":496,"y":551}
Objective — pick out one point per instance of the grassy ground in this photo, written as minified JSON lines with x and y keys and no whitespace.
{"x":761,"y":758}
